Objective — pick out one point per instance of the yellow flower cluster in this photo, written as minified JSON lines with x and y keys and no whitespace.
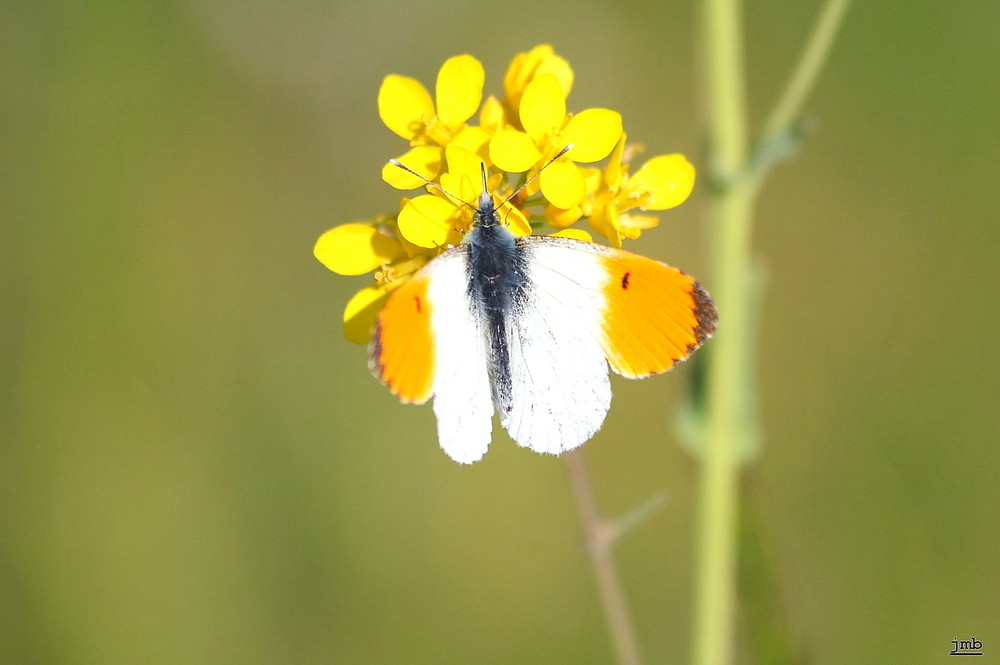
{"x":515,"y":136}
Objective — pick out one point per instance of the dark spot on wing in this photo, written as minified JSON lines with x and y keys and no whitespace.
{"x":625,"y":279}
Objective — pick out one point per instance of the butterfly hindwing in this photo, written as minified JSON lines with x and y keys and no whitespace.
{"x":401,"y":353}
{"x":462,"y":402}
{"x":560,"y":392}
{"x":428,"y":341}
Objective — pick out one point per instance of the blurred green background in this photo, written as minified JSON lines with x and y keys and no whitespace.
{"x":195,"y":467}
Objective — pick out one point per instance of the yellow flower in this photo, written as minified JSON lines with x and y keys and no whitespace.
{"x":540,"y":127}
{"x":524,"y":68}
{"x":515,"y":136}
{"x":663,"y":182}
{"x":360,"y":247}
{"x":438,"y":220}
{"x":406,"y":108}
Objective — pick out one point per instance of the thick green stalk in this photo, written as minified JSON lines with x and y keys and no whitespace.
{"x":729,"y":420}
{"x":714,"y":594}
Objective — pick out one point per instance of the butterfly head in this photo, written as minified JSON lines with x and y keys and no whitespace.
{"x":486,"y":214}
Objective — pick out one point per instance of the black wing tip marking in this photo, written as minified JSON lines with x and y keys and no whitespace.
{"x":704,"y":312}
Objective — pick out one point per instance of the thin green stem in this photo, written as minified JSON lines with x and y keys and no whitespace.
{"x":806,"y":73}
{"x":600,"y":536}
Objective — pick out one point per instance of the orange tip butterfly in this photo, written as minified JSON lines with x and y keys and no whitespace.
{"x":527,"y":327}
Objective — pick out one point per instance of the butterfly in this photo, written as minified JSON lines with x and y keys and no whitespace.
{"x":527,"y":327}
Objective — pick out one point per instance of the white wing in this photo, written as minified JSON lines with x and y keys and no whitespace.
{"x":560,"y":387}
{"x":462,"y":399}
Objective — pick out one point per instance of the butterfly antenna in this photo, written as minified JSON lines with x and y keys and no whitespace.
{"x":430,"y":183}
{"x":538,"y":173}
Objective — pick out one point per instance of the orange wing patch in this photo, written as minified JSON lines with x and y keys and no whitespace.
{"x":654,"y":317}
{"x":402,"y":348}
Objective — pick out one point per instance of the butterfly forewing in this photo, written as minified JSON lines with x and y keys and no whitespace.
{"x":647,"y":315}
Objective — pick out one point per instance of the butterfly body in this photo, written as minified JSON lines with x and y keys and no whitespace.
{"x":498,"y":286}
{"x":527,"y":327}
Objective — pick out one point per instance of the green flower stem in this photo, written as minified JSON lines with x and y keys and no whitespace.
{"x":715,"y":545}
{"x":601,"y":535}
{"x":729,"y":419}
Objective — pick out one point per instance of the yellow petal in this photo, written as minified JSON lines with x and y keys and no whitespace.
{"x":558,"y":67}
{"x":593,"y":133}
{"x":575,"y":234}
{"x":515,"y":220}
{"x":558,"y":218}
{"x":459,"y":90}
{"x":614,"y":172}
{"x":604,"y":221}
{"x":593,"y":178}
{"x":563,"y":185}
{"x":427,"y":221}
{"x":491,"y":115}
{"x":414,"y":252}
{"x":543,"y":108}
{"x":538,"y":61}
{"x":424,"y":159}
{"x":474,"y":139}
{"x":667,"y":180}
{"x":354,"y":249}
{"x":463,"y":181}
{"x":464,"y":163}
{"x":362,"y":310}
{"x":522,"y":69}
{"x":530,"y":190}
{"x":404,"y":105}
{"x":633,"y":225}
{"x":513,"y":151}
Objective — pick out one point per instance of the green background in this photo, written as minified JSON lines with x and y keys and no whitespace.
{"x":195,"y":467}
